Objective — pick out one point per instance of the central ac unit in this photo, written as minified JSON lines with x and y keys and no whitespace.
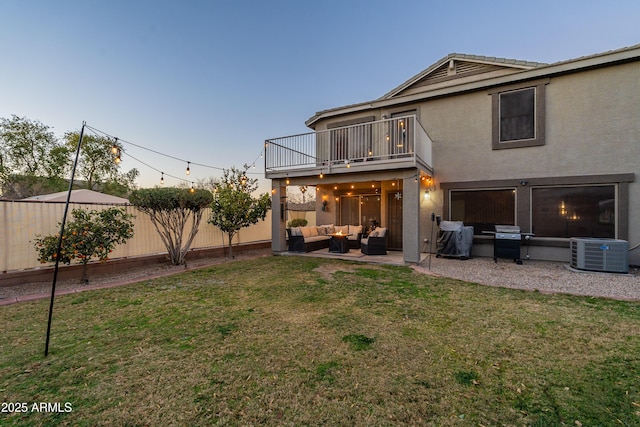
{"x":607,"y":255}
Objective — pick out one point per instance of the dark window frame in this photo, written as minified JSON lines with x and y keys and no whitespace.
{"x":538,"y":139}
{"x":480,"y":226}
{"x":565,"y":211}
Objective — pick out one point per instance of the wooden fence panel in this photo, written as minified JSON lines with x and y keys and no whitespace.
{"x":21,"y":222}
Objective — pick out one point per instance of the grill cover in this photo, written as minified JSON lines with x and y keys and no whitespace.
{"x":454,"y":240}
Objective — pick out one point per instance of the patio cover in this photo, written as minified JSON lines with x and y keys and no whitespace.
{"x":80,"y":196}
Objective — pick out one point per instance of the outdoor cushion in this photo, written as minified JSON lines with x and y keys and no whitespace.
{"x":306,"y":231}
{"x":354,"y":229}
{"x":295,"y":231}
{"x":315,"y":239}
{"x":323,"y":230}
{"x":342,"y":228}
{"x":378,"y":232}
{"x":313,"y":230}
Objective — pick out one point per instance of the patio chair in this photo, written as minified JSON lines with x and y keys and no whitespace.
{"x":375,"y":243}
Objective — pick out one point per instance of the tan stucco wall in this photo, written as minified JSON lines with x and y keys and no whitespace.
{"x":592,"y":128}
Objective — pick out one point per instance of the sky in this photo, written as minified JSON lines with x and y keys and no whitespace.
{"x":209,"y":81}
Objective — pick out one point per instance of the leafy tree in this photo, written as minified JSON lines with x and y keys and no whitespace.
{"x":96,"y":166}
{"x":233,"y":205}
{"x":30,"y":154}
{"x":170,"y":210}
{"x":90,"y":234}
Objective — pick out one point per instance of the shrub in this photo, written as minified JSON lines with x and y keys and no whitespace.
{"x":297,"y":222}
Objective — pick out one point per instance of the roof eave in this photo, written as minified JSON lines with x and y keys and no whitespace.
{"x":631,"y":53}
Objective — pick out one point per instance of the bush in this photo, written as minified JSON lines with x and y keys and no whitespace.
{"x":89,"y":234}
{"x":297,"y":222}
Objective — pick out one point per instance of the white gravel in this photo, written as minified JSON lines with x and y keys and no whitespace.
{"x":542,"y":276}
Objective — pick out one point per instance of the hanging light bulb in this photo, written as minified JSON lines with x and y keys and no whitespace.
{"x":114,"y":147}
{"x":192,"y":189}
{"x":287,"y":181}
{"x":321,"y":175}
{"x":118,"y":158}
{"x":161,"y":178}
{"x":188,"y":168}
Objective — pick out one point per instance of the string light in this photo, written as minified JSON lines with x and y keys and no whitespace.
{"x":100,"y":132}
{"x":192,"y":190}
{"x":117,"y":151}
{"x":114,"y":147}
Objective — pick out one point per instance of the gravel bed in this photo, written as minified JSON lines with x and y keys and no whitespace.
{"x":542,"y":276}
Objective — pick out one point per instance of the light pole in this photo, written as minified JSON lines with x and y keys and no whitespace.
{"x":59,"y":249}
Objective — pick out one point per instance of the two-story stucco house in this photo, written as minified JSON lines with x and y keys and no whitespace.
{"x":551,"y":148}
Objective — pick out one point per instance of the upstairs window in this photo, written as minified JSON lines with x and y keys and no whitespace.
{"x":519,"y":116}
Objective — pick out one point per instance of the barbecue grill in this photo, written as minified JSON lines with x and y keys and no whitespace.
{"x":507,"y":241}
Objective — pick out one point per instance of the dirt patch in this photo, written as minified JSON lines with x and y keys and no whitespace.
{"x":327,"y":270}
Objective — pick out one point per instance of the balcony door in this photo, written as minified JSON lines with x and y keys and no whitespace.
{"x":401,"y":132}
{"x":350,"y":140}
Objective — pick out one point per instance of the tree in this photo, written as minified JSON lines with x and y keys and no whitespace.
{"x":233,"y":205}
{"x":96,"y":166}
{"x":31,"y":158}
{"x":170,"y":209}
{"x":90,"y":234}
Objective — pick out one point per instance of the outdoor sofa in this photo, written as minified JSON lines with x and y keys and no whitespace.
{"x":312,"y":238}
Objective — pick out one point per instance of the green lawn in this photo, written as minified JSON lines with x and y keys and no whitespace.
{"x":294,"y":341}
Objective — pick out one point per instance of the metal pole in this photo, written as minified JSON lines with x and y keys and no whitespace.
{"x":433,"y":218}
{"x":64,"y":220}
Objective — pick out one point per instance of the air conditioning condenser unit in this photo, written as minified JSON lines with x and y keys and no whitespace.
{"x":597,"y":254}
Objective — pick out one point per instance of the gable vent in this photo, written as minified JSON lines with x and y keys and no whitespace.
{"x":473,"y":67}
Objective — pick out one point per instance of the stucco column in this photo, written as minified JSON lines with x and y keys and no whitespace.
{"x":411,"y":220}
{"x":278,"y":216}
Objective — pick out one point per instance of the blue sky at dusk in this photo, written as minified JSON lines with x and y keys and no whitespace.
{"x":209,"y":81}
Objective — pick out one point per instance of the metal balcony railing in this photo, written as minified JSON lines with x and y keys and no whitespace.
{"x":384,"y":141}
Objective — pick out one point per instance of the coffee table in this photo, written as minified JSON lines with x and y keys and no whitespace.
{"x":338,"y":243}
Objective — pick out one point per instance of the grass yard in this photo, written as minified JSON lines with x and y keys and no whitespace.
{"x":294,"y":341}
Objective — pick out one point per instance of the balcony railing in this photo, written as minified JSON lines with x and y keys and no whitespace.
{"x":399,"y":140}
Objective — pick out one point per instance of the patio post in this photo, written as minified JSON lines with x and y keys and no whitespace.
{"x":279,"y":216}
{"x":411,"y":220}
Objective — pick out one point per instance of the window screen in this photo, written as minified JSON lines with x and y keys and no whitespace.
{"x":574,"y":211}
{"x":483,"y":209}
{"x":517,"y":115}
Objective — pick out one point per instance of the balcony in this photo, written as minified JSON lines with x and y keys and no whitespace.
{"x":397,"y":143}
